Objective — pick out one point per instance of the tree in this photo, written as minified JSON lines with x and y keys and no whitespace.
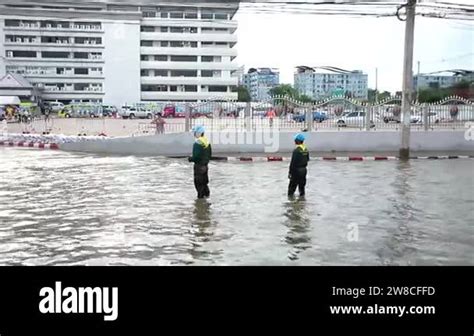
{"x":284,"y":90}
{"x":243,"y":94}
{"x":374,"y":95}
{"x":304,"y":99}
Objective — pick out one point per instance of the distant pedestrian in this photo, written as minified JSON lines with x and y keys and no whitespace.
{"x":159,"y":124}
{"x":270,"y":115}
{"x":299,"y":162}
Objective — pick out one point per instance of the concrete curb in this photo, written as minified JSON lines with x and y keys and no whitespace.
{"x":40,"y":145}
{"x":327,"y":158}
{"x":338,"y":158}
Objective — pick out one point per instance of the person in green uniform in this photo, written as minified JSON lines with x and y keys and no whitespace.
{"x":202,"y":153}
{"x":299,"y":162}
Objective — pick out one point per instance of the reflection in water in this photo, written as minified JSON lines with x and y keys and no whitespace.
{"x":59,"y":208}
{"x":298,"y":223}
{"x":202,"y":230}
{"x":398,"y":246}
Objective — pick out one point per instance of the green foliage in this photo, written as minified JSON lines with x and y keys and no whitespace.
{"x":243,"y":94}
{"x":284,"y":90}
{"x":374,"y":95}
{"x":463,"y":89}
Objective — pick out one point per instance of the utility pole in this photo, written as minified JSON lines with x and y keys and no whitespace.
{"x":417,"y":82}
{"x":407,"y":86}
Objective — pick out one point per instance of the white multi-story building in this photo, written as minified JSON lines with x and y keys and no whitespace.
{"x":323,"y":82}
{"x":442,"y":79}
{"x":259,"y":82}
{"x":116,"y":52}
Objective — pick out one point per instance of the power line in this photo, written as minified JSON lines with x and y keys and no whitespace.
{"x":361,"y":9}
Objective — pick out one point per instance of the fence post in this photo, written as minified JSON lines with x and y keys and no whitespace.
{"x":248,"y":117}
{"x":308,"y":117}
{"x":425,"y":117}
{"x":368,"y":113}
{"x":187,"y":118}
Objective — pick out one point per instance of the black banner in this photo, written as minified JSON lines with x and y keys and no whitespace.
{"x":137,"y":300}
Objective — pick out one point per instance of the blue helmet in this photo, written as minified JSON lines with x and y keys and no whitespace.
{"x":300,"y":137}
{"x":198,"y":129}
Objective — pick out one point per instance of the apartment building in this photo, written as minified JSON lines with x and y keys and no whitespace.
{"x":323,"y":82}
{"x":116,"y":52}
{"x":442,"y":79}
{"x":259,"y":82}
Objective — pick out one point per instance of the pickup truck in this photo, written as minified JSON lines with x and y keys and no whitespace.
{"x":130,"y":112}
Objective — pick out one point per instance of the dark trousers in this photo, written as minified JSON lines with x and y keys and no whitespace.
{"x":298,"y":179}
{"x":201,"y":180}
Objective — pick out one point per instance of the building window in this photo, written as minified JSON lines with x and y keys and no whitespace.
{"x":21,"y":53}
{"x":211,"y":73}
{"x":164,"y":29}
{"x":183,"y":58}
{"x":164,"y":15}
{"x":81,"y":71}
{"x":207,"y":16}
{"x":206,"y":73}
{"x":183,"y":73}
{"x":217,"y":88}
{"x":190,"y":15}
{"x":161,"y":73}
{"x":149,"y":14}
{"x":161,"y":58}
{"x":211,"y":58}
{"x":12,"y":23}
{"x":154,"y":88}
{"x":220,"y":16}
{"x":190,"y":88}
{"x":176,"y":15}
{"x":146,"y":43}
{"x":147,"y":29}
{"x":55,"y":54}
{"x":81,"y":55}
{"x":173,"y":88}
{"x":164,"y":44}
{"x":144,"y":57}
{"x":183,"y":44}
{"x":144,"y":72}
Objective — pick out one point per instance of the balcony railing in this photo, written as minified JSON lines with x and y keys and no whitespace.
{"x":82,"y":27}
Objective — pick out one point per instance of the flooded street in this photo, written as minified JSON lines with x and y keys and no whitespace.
{"x":58,"y":208}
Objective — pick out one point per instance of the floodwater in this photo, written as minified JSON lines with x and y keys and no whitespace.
{"x":59,"y":208}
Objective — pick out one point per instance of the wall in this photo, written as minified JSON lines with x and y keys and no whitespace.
{"x":122,"y":62}
{"x":180,"y":144}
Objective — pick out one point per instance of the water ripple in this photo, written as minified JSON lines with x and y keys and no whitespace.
{"x":58,"y":208}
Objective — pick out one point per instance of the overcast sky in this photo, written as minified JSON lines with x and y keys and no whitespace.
{"x":284,"y":41}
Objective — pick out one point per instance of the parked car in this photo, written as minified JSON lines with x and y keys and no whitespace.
{"x":353,"y":119}
{"x":433,"y":118}
{"x":317,"y":116}
{"x":109,"y":110}
{"x":54,"y":106}
{"x":80,"y":111}
{"x":173,"y":111}
{"x":391,"y":118}
{"x":130,"y":112}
